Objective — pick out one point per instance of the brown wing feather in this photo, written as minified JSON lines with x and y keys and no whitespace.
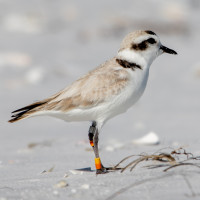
{"x":28,"y":110}
{"x":92,"y":89}
{"x":25,"y":111}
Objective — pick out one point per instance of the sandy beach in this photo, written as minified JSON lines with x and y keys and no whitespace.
{"x":45,"y":46}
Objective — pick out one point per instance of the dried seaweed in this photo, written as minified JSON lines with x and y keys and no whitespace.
{"x":181,"y":164}
{"x":172,"y":159}
{"x":181,"y":151}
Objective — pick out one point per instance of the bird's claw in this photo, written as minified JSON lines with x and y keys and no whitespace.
{"x":105,"y":170}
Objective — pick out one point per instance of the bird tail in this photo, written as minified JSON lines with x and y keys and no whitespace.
{"x":26,"y":111}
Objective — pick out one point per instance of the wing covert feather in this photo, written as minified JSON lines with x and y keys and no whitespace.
{"x":92,"y":89}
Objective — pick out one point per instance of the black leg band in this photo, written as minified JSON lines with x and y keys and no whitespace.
{"x":91,"y":133}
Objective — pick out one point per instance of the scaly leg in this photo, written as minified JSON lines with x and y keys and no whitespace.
{"x":93,"y":137}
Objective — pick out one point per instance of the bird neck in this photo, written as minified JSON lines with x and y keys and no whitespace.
{"x":130,"y":58}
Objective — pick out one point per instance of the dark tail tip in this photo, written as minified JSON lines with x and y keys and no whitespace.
{"x":12,"y":120}
{"x":18,"y":116}
{"x":24,"y":112}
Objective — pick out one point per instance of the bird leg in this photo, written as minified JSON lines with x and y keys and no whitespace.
{"x":93,"y":137}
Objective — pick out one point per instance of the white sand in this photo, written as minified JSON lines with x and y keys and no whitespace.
{"x":64,"y":40}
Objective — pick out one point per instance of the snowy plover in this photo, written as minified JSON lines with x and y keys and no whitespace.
{"x":109,"y":90}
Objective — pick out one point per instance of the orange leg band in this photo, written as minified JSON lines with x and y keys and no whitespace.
{"x":91,"y":143}
{"x":98,"y":163}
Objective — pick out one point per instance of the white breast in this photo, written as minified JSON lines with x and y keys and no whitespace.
{"x":116,"y":105}
{"x":130,"y":95}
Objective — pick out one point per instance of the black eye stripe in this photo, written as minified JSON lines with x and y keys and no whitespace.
{"x":140,"y":46}
{"x":143,"y":45}
{"x":151,"y":41}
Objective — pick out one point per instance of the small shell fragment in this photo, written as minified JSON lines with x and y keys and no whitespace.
{"x":61,"y":184}
{"x":150,"y":139}
{"x":74,"y":171}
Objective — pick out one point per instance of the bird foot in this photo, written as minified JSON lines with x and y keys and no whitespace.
{"x":105,"y":170}
{"x":101,"y":171}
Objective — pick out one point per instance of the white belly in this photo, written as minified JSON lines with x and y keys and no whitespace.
{"x":114,"y":106}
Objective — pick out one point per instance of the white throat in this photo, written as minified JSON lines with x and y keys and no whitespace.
{"x":132,"y":57}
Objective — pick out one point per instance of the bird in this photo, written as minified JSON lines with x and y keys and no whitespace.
{"x":106,"y":91}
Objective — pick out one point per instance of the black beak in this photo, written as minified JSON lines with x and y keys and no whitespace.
{"x":167,"y":50}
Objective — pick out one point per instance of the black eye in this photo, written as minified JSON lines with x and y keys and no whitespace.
{"x":151,"y":41}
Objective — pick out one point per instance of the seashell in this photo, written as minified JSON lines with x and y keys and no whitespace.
{"x":150,"y":139}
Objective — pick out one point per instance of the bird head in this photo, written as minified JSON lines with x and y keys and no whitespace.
{"x":142,"y":47}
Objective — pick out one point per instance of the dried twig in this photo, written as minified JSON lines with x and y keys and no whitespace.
{"x":181,"y":151}
{"x":173,"y":159}
{"x":167,"y":160}
{"x":181,"y":164}
{"x":161,"y":157}
{"x":126,"y":158}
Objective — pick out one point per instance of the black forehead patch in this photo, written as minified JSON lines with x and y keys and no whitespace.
{"x":150,"y":32}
